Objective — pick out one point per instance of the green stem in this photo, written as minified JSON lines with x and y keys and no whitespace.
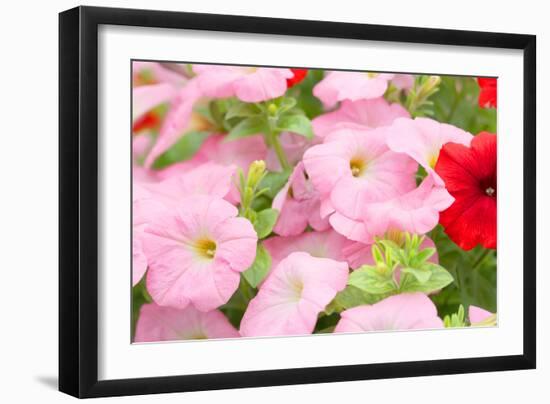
{"x":274,"y":139}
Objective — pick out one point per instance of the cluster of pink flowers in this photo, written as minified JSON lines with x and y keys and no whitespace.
{"x":354,"y":182}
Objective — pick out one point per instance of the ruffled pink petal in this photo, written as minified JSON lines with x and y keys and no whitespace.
{"x":145,"y":98}
{"x":298,"y":205}
{"x":400,"y":312}
{"x":339,"y":86}
{"x":293,"y":295}
{"x":157,"y":323}
{"x":373,"y":113}
{"x":139,"y":260}
{"x":477,"y":314}
{"x":206,"y":179}
{"x":249,"y":84}
{"x":416,"y":211}
{"x":263,"y":84}
{"x":423,"y":138}
{"x":325,"y":244}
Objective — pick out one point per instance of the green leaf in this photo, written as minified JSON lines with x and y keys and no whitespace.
{"x":265,"y":220}
{"x":298,"y":124}
{"x":274,"y":181}
{"x":183,"y":150}
{"x":260,"y":267}
{"x":439,"y":278}
{"x":421,"y":274}
{"x":242,"y":110}
{"x":373,"y":280}
{"x":247,"y":127}
{"x":350,"y":297}
{"x":422,"y":256}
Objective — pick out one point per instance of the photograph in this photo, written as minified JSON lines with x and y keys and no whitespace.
{"x":276,"y":201}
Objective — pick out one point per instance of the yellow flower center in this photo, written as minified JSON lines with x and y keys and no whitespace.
{"x":205,"y":248}
{"x":371,"y":75}
{"x":432,"y":160}
{"x":357,"y":166}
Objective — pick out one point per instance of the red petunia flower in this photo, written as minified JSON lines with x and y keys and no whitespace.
{"x":470,"y":175}
{"x":148,"y":121}
{"x":487,"y":92}
{"x":299,"y":75}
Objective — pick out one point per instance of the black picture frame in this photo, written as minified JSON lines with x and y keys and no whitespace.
{"x":78,"y":200}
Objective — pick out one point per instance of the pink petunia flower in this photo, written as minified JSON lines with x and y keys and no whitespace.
{"x":249,"y":84}
{"x":320,"y":244}
{"x":372,"y":113}
{"x":158,"y":323}
{"x":355,"y":167}
{"x":298,"y":205}
{"x":293,"y":295}
{"x":353,"y":86}
{"x":423,"y":138}
{"x":197,"y":252}
{"x":405,"y":311}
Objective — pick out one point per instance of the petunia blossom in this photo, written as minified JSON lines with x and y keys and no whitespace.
{"x":293,"y":295}
{"x":487,"y":92}
{"x":299,"y":75}
{"x":405,"y":311}
{"x":423,"y":138}
{"x":158,"y":323}
{"x":355,"y":168}
{"x":470,"y":175}
{"x":353,"y":86}
{"x":298,"y":205}
{"x":249,"y":84}
{"x":320,"y":244}
{"x":196,"y":253}
{"x":371,"y":114}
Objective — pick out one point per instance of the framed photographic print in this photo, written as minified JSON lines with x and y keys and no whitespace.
{"x":250,"y":201}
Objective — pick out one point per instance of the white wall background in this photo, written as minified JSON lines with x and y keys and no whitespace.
{"x":28,"y":198}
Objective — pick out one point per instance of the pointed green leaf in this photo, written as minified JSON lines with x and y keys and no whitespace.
{"x":265,"y":220}
{"x":298,"y":124}
{"x":248,"y":127}
{"x":372,"y":280}
{"x":242,"y":110}
{"x":439,"y":278}
{"x":260,"y":267}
